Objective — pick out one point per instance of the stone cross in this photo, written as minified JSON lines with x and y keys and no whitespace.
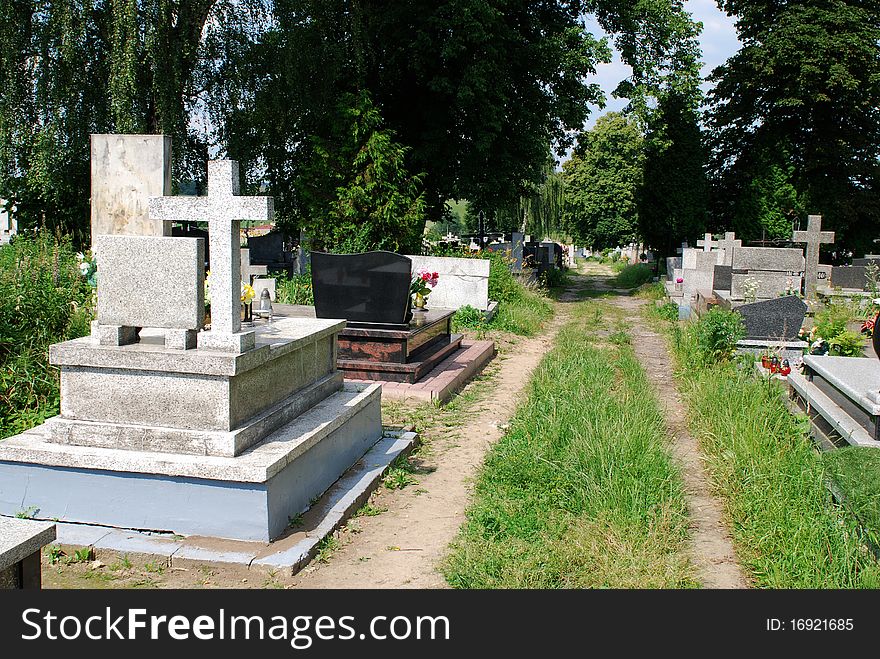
{"x":729,"y":244}
{"x":707,"y":243}
{"x":248,"y":271}
{"x":223,"y":209}
{"x":813,"y":237}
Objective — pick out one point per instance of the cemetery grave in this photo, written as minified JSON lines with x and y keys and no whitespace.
{"x":223,"y":433}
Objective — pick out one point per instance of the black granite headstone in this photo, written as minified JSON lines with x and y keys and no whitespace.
{"x":366,"y":289}
{"x":269,"y":250}
{"x":723,"y":278}
{"x":849,"y":277}
{"x":866,"y":260}
{"x":775,"y":320}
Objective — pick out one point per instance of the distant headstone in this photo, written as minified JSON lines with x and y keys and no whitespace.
{"x":707,"y":243}
{"x":269,"y":250}
{"x":370,"y":288}
{"x":775,"y":270}
{"x":729,"y":244}
{"x":249,"y":271}
{"x":673,"y":263}
{"x":823,"y":276}
{"x":867,"y":259}
{"x":775,"y":320}
{"x":813,"y":237}
{"x":126,"y":171}
{"x":261,"y":283}
{"x":517,"y":240}
{"x":8,"y":225}
{"x":701,"y":276}
{"x":850,"y":276}
{"x":462,"y":282}
{"x":723,"y":278}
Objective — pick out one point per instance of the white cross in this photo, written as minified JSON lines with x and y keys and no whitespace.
{"x":223,"y":209}
{"x":813,"y":236}
{"x":707,"y":243}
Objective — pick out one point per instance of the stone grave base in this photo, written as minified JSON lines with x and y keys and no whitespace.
{"x":842,"y":397}
{"x":290,"y":552}
{"x":248,"y":497}
{"x":446,"y":378}
{"x":790,"y":350}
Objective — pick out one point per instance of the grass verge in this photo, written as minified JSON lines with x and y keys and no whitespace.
{"x":788,"y":531}
{"x":633,"y":276}
{"x":580,"y":491}
{"x":855,"y":470}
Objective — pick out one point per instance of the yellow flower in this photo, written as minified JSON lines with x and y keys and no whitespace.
{"x":247,"y":293}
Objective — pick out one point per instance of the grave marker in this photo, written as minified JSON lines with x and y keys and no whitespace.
{"x":813,"y":237}
{"x":729,"y":244}
{"x":707,"y":243}
{"x":223,"y":209}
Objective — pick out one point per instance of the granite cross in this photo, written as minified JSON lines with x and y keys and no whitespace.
{"x":248,"y":271}
{"x":813,"y":237}
{"x":728,"y":244}
{"x":223,"y":209}
{"x":707,"y":243}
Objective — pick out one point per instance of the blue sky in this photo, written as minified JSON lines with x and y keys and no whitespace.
{"x":718,"y":41}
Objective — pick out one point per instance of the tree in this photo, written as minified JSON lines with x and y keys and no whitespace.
{"x":602,"y":179}
{"x":357,"y":191}
{"x":799,"y":105}
{"x":673,"y":198}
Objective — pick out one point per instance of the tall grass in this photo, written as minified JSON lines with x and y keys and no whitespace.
{"x":580,"y":491}
{"x":788,"y":531}
{"x":43,"y":299}
{"x":633,"y":276}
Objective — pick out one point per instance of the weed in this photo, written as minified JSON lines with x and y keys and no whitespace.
{"x":28,"y":513}
{"x":325,"y":548}
{"x":54,"y":553}
{"x":369,"y":510}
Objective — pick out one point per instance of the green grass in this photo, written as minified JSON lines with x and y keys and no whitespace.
{"x":580,"y":491}
{"x":855,"y":471}
{"x":633,"y":276}
{"x":788,"y":531}
{"x":524,"y":314}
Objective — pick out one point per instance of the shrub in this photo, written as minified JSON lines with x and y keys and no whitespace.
{"x":832,"y":321}
{"x":294,"y":290}
{"x":717,"y":332}
{"x":467,"y":317}
{"x":44,"y":299}
{"x":668,"y":311}
{"x":847,"y":344}
{"x":633,"y":276}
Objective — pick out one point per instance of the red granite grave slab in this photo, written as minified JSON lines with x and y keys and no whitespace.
{"x":446,"y":378}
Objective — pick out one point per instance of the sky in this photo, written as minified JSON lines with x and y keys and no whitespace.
{"x":718,"y":41}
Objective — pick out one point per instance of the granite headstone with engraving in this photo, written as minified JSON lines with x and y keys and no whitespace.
{"x":774,"y":270}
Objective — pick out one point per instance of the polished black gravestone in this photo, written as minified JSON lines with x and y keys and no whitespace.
{"x":775,"y":320}
{"x":383,"y":339}
{"x":370,"y":289}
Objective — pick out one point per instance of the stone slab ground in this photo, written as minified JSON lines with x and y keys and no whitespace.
{"x":446,"y":378}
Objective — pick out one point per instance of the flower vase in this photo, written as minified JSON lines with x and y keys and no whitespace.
{"x":420,"y":302}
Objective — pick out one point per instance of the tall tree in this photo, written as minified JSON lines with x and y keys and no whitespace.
{"x":602,"y":179}
{"x":799,"y":106}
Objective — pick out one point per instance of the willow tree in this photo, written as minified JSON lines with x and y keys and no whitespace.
{"x":74,"y":68}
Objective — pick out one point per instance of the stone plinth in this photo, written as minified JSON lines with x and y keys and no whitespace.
{"x":20,"y":543}
{"x":844,"y":393}
{"x":248,"y":497}
{"x":146,"y":397}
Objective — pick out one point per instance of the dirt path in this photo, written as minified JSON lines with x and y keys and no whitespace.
{"x":712,"y":551}
{"x":401,"y":547}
